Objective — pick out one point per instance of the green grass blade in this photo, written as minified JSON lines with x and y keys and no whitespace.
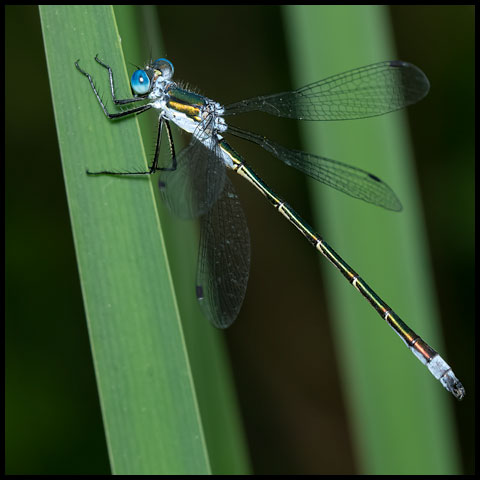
{"x":394,"y":403}
{"x":151,"y":414}
{"x":205,"y":345}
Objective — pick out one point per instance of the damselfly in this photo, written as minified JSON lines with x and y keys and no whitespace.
{"x":195,"y":183}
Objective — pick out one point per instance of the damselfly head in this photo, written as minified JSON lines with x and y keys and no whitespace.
{"x":142,"y":81}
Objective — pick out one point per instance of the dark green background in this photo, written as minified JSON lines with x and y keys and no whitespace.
{"x":53,"y":422}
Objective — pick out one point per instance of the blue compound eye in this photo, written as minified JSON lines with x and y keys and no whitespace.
{"x":140,"y":82}
{"x":165,"y":66}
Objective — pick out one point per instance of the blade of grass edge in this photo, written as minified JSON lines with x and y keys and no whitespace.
{"x":145,"y":386}
{"x":206,"y":348}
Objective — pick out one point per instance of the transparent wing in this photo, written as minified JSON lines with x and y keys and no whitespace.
{"x":363,"y":92}
{"x":194,"y":186}
{"x":223,"y":260}
{"x":347,"y":179}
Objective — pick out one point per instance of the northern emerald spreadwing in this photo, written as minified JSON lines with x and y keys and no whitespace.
{"x":194,"y":183}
